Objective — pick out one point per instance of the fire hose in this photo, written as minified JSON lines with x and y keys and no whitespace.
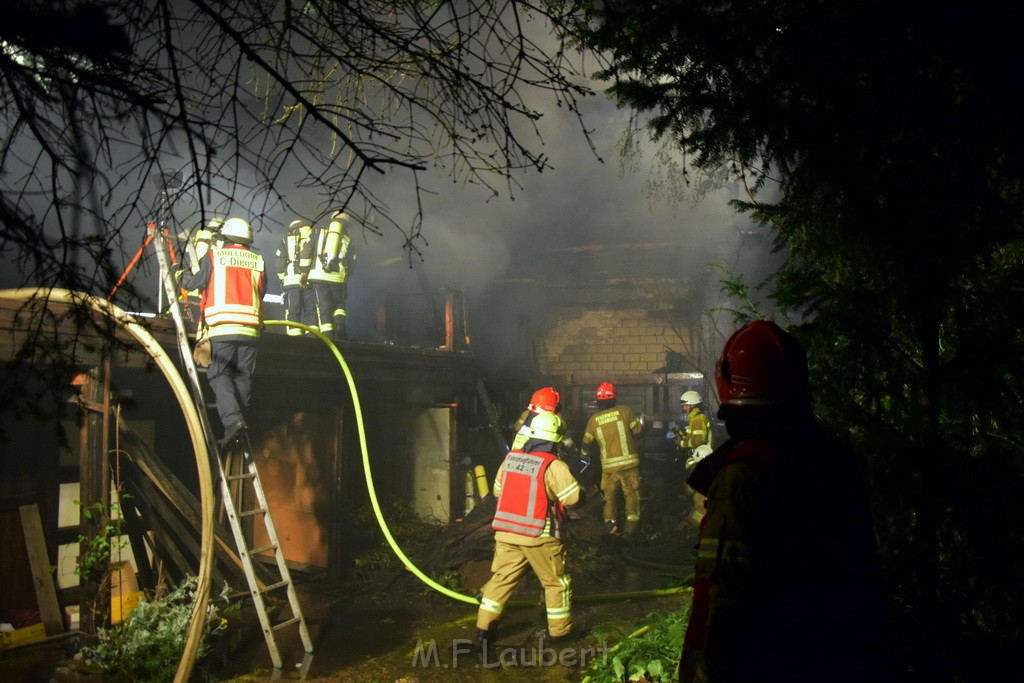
{"x":194,"y":424}
{"x":371,"y":489}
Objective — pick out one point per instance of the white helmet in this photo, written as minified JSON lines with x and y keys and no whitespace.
{"x":237,"y":230}
{"x":690,"y":398}
{"x":699,"y":453}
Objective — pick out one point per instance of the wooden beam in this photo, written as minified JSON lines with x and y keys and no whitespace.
{"x":140,"y":541}
{"x":42,"y":577}
{"x":171,"y":488}
{"x":147,"y":502}
{"x":94,"y":490}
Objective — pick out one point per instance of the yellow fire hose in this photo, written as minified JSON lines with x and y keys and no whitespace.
{"x":366,"y":464}
{"x":481,"y":483}
{"x":194,"y":424}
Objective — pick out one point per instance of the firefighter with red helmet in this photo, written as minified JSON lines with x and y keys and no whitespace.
{"x":613,"y":427}
{"x":547,"y":400}
{"x":534,"y":488}
{"x":781,"y":594}
{"x":232,"y":281}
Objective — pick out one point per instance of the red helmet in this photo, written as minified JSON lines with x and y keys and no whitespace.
{"x":761,"y":365}
{"x":546,"y":399}
{"x":606,"y":390}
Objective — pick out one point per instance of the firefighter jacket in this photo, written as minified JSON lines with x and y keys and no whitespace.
{"x":330,"y":254}
{"x":697,"y":432}
{"x":294,"y":256}
{"x":787,"y":583}
{"x":533,"y":490}
{"x":523,"y":421}
{"x":614,"y":429}
{"x":196,"y":247}
{"x":232,"y":281}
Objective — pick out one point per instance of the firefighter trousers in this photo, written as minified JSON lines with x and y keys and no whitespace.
{"x":548,"y":563}
{"x":626,"y":480}
{"x":299,"y":307}
{"x":323,"y":297}
{"x":232,"y":364}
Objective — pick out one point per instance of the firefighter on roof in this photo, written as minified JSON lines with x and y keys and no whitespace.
{"x":533,"y":488}
{"x":294,"y":259}
{"x":197,"y":244}
{"x":613,"y":428}
{"x":328,"y":277}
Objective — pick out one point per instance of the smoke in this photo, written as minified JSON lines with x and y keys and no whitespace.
{"x":484,"y":246}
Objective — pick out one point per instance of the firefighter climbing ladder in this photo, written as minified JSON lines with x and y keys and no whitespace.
{"x":249,"y":474}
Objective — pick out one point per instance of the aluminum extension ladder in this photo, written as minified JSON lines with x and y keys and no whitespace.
{"x":249,"y":474}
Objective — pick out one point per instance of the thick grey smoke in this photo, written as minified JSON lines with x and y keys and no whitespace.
{"x":478,"y":244}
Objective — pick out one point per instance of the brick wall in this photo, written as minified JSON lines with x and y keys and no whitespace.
{"x":596,"y":345}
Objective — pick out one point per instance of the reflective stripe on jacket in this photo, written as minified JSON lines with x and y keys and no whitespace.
{"x":295,"y":256}
{"x":330,"y":247}
{"x":613,"y":429}
{"x":231,"y":303}
{"x":523,"y":503}
{"x":697,"y":433}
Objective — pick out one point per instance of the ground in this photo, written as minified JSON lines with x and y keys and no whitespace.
{"x":379,"y":623}
{"x":400,"y":630}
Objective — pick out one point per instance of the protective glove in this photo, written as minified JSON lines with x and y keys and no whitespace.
{"x":304,"y":280}
{"x":670,"y":434}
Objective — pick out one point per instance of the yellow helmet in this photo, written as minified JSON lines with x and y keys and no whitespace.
{"x":546,"y":426}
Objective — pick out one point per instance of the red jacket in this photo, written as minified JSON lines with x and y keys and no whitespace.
{"x":232,"y":298}
{"x":523,"y":504}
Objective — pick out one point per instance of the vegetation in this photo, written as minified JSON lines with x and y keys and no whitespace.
{"x":649,"y":653}
{"x":147,"y":644}
{"x":114,"y":113}
{"x":94,"y":562}
{"x":880,"y":143}
{"x":371,"y":550}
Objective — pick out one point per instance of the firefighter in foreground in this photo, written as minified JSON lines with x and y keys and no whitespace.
{"x":533,"y":488}
{"x":613,"y":428}
{"x":787,"y":581}
{"x":232,"y":281}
